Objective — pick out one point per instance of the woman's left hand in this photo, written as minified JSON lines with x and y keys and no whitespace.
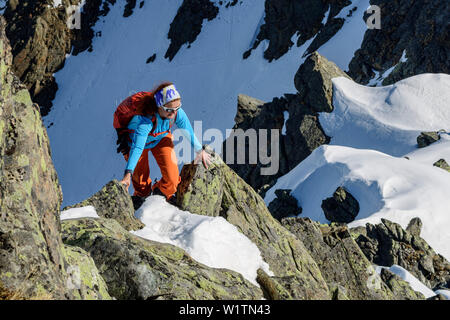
{"x":204,"y":156}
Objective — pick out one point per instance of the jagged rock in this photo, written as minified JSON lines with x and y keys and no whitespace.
{"x":342,"y":207}
{"x":40,"y":40}
{"x":239,"y":204}
{"x":313,"y":82}
{"x":414,"y":227}
{"x":303,"y":130}
{"x":83,"y":278}
{"x":427,"y":138}
{"x":348,"y":273}
{"x":113,"y":202}
{"x":399,"y":287}
{"x":31,"y":262}
{"x":284,"y":205}
{"x":441,"y":163}
{"x":386,"y":244}
{"x":418,"y":27}
{"x":135,"y":268}
{"x":187,"y":24}
{"x":284,"y":18}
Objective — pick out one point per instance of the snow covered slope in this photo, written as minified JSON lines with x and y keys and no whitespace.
{"x":371,"y":129}
{"x":210,"y":74}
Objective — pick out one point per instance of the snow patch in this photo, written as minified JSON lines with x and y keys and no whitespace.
{"x":78,"y":213}
{"x":212,"y":241}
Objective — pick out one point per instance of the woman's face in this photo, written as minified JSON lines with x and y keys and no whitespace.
{"x":170,"y":105}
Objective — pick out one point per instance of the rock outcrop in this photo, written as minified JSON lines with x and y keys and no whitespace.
{"x":348,"y":273}
{"x":284,"y":205}
{"x":418,"y":28}
{"x":427,"y":138}
{"x":387,"y":243}
{"x":187,"y":24}
{"x":303,"y":130}
{"x":135,"y":268}
{"x":31,"y":260}
{"x":41,"y":37}
{"x":113,"y":202}
{"x":219,"y":191}
{"x":342,"y":207}
{"x":284,"y":18}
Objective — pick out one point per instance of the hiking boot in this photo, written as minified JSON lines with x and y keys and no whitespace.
{"x":172,"y":200}
{"x":137,"y":201}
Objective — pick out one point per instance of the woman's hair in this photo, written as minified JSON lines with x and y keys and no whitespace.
{"x":147,"y":104}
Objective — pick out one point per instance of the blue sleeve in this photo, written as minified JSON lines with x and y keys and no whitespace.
{"x":183,"y":123}
{"x":139,"y":139}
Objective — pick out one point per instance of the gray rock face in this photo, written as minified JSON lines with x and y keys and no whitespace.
{"x":31,"y":261}
{"x":219,"y":191}
{"x":284,"y":18}
{"x":303,"y":130}
{"x":113,"y":202}
{"x":135,"y":268}
{"x":418,"y":27}
{"x":346,"y":270}
{"x":387,"y":243}
{"x":342,"y":207}
{"x":427,"y":138}
{"x":284,"y":205}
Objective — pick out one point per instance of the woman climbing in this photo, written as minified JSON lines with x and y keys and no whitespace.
{"x":152,"y":116}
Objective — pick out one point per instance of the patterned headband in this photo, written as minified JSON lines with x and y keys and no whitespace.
{"x":166,"y":95}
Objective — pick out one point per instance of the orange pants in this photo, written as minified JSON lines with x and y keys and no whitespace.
{"x":166,"y":159}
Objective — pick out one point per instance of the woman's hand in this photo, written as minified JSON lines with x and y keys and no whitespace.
{"x":204,"y":157}
{"x":126,"y":180}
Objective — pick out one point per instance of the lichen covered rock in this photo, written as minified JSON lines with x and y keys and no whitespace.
{"x":31,"y":263}
{"x":239,"y":204}
{"x":83,"y":278}
{"x":348,"y":273}
{"x":135,"y":268}
{"x":113,"y":202}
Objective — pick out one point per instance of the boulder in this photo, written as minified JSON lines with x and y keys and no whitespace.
{"x":135,"y":268}
{"x":441,"y":163}
{"x":284,"y":205}
{"x":387,"y":243}
{"x":31,"y":251}
{"x":113,"y":202}
{"x":240,"y":205}
{"x":427,"y":138}
{"x":342,"y":207}
{"x":348,"y":273}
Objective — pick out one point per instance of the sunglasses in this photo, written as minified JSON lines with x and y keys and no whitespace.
{"x":171,"y":110}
